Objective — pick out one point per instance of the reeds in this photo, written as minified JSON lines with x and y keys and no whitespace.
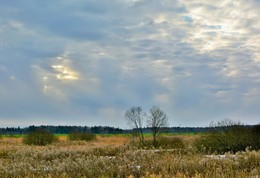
{"x":86,"y":159}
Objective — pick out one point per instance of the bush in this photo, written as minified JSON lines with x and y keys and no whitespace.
{"x":163,"y":142}
{"x":171,"y":143}
{"x":76,"y":136}
{"x":39,"y":137}
{"x":255,"y":137}
{"x":231,"y":138}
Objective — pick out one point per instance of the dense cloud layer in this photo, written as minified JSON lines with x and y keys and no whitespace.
{"x":87,"y":62}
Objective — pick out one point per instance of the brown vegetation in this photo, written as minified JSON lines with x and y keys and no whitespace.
{"x":115,"y":157}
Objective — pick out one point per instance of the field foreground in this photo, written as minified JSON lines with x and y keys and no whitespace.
{"x":114,"y":157}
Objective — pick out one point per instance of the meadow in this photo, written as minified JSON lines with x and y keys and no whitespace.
{"x":117,"y":156}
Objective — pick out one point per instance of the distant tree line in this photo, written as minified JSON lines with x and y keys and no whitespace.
{"x":103,"y":129}
{"x":63,"y":129}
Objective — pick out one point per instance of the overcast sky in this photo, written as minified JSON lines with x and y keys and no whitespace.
{"x":85,"y":62}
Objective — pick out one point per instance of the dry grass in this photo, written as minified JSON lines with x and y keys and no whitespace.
{"x":115,"y":140}
{"x":113,"y":157}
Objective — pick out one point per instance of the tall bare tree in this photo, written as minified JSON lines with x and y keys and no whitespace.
{"x":135,"y":119}
{"x":157,"y":120}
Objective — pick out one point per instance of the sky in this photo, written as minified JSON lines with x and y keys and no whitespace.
{"x":85,"y":62}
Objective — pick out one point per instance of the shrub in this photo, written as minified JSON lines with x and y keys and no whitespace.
{"x":231,"y":138}
{"x":76,"y":136}
{"x":39,"y":137}
{"x":163,"y":142}
{"x":171,"y":143}
{"x":255,"y":137}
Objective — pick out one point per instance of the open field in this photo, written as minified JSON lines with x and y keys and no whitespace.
{"x":114,"y":156}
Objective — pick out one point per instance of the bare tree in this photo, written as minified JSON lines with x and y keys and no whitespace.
{"x":135,"y":119}
{"x":157,"y":120}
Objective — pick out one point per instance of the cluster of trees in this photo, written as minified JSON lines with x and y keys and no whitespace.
{"x":156,"y":120}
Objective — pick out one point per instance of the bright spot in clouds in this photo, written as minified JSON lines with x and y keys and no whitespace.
{"x":65,"y":73}
{"x":86,"y":63}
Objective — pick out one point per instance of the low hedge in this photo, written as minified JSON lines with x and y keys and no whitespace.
{"x":77,"y":136}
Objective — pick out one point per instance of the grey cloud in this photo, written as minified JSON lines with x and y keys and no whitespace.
{"x":60,"y":18}
{"x":196,"y":60}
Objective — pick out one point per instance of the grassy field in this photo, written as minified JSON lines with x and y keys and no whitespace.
{"x":115,"y":156}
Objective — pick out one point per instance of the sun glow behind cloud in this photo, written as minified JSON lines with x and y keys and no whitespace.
{"x":63,"y":70}
{"x":65,"y":73}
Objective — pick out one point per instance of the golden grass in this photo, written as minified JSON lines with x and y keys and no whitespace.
{"x":114,"y":140}
{"x":101,"y":141}
{"x":11,"y":140}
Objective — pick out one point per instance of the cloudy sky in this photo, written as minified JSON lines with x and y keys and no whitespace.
{"x":85,"y":62}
